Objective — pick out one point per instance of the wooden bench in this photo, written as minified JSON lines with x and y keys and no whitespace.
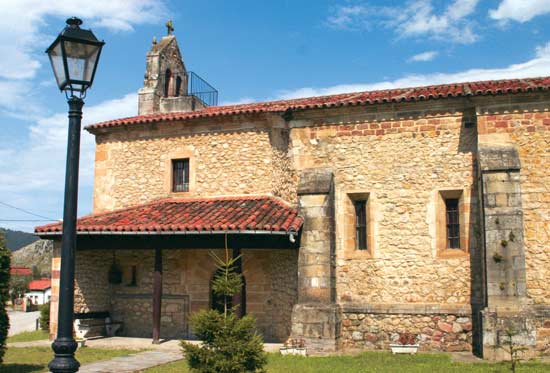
{"x":93,"y":324}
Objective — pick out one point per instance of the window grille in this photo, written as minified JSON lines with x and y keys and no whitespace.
{"x":360,"y":225}
{"x":453,"y":224}
{"x":180,"y":175}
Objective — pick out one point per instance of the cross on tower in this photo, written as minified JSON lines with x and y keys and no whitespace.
{"x":169,"y":27}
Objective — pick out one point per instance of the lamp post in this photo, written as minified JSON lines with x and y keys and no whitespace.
{"x":74,"y":56}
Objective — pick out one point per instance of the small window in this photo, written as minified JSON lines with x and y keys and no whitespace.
{"x":133,"y":279}
{"x":178,"y":86}
{"x":180,"y":175}
{"x":360,"y":224}
{"x":167,"y":78}
{"x":453,"y":223}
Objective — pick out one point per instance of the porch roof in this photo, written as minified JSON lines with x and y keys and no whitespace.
{"x":243,"y":214}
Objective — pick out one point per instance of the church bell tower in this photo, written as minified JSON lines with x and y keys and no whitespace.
{"x":168,"y":86}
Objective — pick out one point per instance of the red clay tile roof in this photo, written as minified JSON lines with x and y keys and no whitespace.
{"x":20,"y":271}
{"x":42,"y":284}
{"x":237,"y":214}
{"x":482,"y":88}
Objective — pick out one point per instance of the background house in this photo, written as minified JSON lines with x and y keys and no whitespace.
{"x":40,"y":291}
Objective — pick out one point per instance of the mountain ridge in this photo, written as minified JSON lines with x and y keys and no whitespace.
{"x":16,"y":240}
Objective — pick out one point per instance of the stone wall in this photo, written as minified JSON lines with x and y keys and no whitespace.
{"x":271,"y":289}
{"x":232,"y":157}
{"x":54,"y":300}
{"x":92,"y":289}
{"x":365,"y":329}
{"x":284,"y":177}
{"x":527,"y":125}
{"x":402,"y":158}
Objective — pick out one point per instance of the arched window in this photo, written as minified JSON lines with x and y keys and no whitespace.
{"x":217,"y":301}
{"x":178,"y":86}
{"x":167,"y":77}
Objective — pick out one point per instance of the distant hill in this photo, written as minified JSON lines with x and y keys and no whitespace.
{"x":17,"y":239}
{"x":37,"y":254}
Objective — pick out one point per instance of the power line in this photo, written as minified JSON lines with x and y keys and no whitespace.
{"x":27,"y":220}
{"x":26,"y":211}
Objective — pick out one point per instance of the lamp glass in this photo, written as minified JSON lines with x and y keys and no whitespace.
{"x":56,"y":59}
{"x":81,"y":60}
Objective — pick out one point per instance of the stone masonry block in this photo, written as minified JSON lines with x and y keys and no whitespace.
{"x":315,"y":181}
{"x":318,"y":325}
{"x":498,"y":158}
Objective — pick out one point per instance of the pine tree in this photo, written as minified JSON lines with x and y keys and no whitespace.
{"x":4,"y":294}
{"x":230,"y":344}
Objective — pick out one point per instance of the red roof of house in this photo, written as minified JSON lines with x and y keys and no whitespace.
{"x":20,"y":271}
{"x":42,"y":284}
{"x":237,"y":214}
{"x":482,"y":88}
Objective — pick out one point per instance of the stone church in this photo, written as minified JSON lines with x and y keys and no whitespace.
{"x":357,"y":216}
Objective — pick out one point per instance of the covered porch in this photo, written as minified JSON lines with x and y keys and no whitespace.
{"x":149,"y":265}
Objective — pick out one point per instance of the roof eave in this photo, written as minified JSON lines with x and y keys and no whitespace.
{"x":167,"y":233}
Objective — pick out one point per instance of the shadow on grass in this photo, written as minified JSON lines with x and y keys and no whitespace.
{"x":23,"y":368}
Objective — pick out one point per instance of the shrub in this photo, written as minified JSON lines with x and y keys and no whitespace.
{"x":230,"y":344}
{"x":19,"y":285}
{"x":45,"y":317}
{"x":4,"y":294}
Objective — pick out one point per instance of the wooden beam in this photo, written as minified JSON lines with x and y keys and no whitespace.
{"x":157,"y":295}
{"x":199,"y":241}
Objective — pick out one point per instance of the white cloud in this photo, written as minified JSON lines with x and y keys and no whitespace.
{"x":423,"y":57}
{"x":419,"y":19}
{"x":20,"y":38}
{"x":415,"y":19}
{"x":33,"y":173}
{"x":23,"y":40}
{"x":349,"y":17}
{"x":244,"y":100}
{"x":537,"y":66}
{"x":519,"y":10}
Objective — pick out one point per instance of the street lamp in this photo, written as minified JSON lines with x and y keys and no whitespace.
{"x":74,"y":56}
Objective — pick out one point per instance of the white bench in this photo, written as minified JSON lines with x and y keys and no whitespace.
{"x":93,"y":324}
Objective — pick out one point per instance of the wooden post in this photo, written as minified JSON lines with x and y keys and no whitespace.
{"x":157,"y":295}
{"x":240,"y":299}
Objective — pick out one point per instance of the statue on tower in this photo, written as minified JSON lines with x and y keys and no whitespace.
{"x":169,"y":27}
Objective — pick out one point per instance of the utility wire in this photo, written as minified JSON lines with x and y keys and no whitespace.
{"x":25,"y":211}
{"x":26,"y":220}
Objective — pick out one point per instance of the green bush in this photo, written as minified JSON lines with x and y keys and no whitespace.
{"x":230,"y":344}
{"x":4,"y":294}
{"x":45,"y":317}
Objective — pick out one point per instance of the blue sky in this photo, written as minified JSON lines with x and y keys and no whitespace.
{"x":248,"y":50}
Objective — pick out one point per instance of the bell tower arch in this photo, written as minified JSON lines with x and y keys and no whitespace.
{"x":166,"y":79}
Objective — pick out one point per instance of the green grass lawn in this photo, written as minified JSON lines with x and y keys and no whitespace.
{"x":370,"y":362}
{"x":36,"y":359}
{"x":36,"y":335}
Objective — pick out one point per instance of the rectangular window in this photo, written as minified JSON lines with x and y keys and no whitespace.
{"x":180,"y":175}
{"x":453,"y":224}
{"x":360,"y":224}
